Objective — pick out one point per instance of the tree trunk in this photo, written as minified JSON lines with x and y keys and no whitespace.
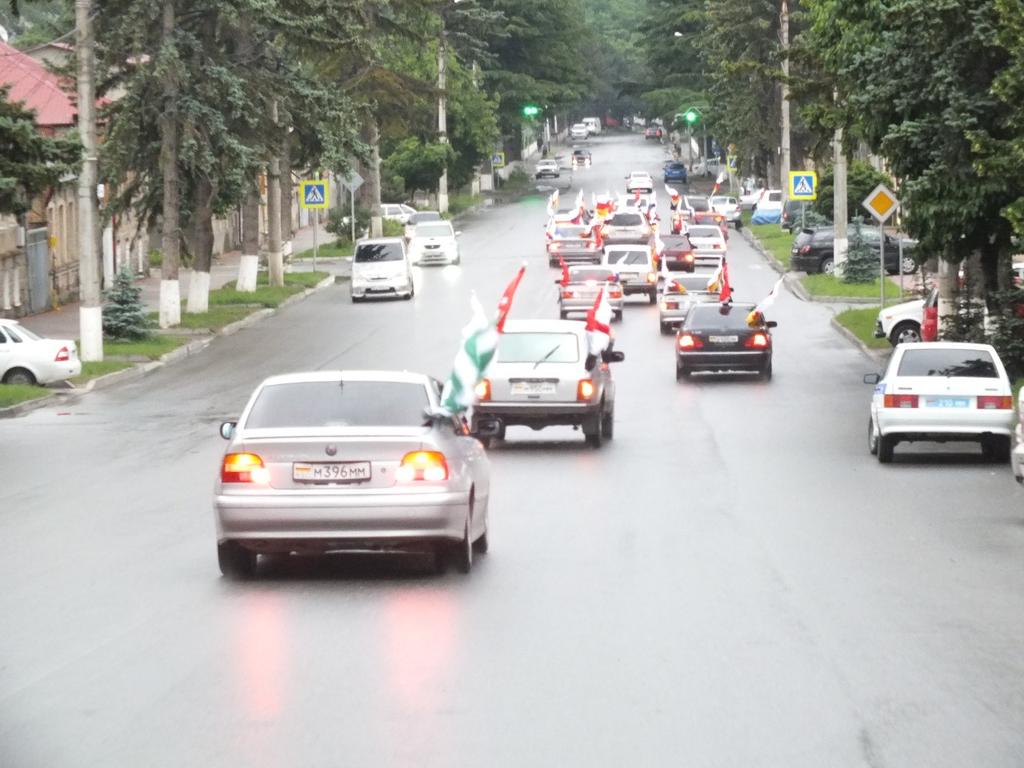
{"x":372,"y":185}
{"x":275,"y":262}
{"x":170,"y":291}
{"x":202,"y":239}
{"x":248,"y":267}
{"x":287,"y":192}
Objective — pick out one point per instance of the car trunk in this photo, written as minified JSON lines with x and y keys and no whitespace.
{"x":530,"y":383}
{"x":948,"y":391}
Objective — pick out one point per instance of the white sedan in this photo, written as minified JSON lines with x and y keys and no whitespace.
{"x":434,"y":242}
{"x":639,"y":181}
{"x":26,"y":358}
{"x":707,"y":239}
{"x":942,"y":392}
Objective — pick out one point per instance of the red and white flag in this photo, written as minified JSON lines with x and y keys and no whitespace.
{"x":768,"y":300}
{"x":506,"y":300}
{"x":553,"y":203}
{"x":725,"y":295}
{"x":599,"y":330}
{"x":565,"y":270}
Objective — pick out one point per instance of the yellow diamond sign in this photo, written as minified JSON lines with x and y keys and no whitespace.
{"x":881,"y":203}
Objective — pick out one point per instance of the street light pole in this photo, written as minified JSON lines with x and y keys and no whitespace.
{"x":784,"y":24}
{"x":442,"y":113}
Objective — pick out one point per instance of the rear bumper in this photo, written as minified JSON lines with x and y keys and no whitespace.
{"x":535,"y":415}
{"x":944,"y":423}
{"x":48,"y":373}
{"x":632,"y":289}
{"x":581,"y":256}
{"x":627,"y":239}
{"x":434,"y":257}
{"x":272,"y":523}
{"x":732,"y":360}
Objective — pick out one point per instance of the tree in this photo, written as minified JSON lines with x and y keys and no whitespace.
{"x":861,"y":178}
{"x":124,"y":314}
{"x":861,"y":258}
{"x":418,"y":163}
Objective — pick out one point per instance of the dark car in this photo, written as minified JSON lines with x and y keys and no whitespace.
{"x":652,"y":133}
{"x":678,"y":253}
{"x":675,"y":172}
{"x":792,"y":212}
{"x":721,"y":337}
{"x":581,"y":158}
{"x":813,"y":251}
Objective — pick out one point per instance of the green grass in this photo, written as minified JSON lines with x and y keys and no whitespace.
{"x":215,"y":319}
{"x":831,"y":286}
{"x":861,"y":322}
{"x":775,"y":240}
{"x":152,"y":348}
{"x":339,"y":249}
{"x":12,"y":394}
{"x":265,"y":295}
{"x":95,"y":369}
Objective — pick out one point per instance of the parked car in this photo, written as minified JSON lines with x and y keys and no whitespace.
{"x":719,"y":337}
{"x":942,"y":392}
{"x":729,"y":208}
{"x":675,"y":173}
{"x":579,"y":294}
{"x":381,"y":268}
{"x":792,"y":212}
{"x":435,"y":242}
{"x":27,"y":358}
{"x":418,"y":218}
{"x":900,"y":323}
{"x":593,"y":125}
{"x":399,"y":212}
{"x":349,"y":460}
{"x":653,"y":132}
{"x":813,"y":251}
{"x":634,"y":267}
{"x":768,"y":208}
{"x":750,"y":198}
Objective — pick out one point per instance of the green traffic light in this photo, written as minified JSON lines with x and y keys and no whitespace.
{"x":691,"y":116}
{"x":531,"y":110}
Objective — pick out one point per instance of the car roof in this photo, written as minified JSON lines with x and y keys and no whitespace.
{"x":398,"y":377}
{"x":380,"y":241}
{"x":544,"y":325}
{"x":950,"y":345}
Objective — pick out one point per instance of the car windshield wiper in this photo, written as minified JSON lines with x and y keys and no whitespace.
{"x":548,"y":355}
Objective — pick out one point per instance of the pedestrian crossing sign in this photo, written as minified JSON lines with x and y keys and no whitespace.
{"x":314,"y":194}
{"x":803,"y":185}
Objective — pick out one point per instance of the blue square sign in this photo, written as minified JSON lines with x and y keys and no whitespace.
{"x":314,"y":194}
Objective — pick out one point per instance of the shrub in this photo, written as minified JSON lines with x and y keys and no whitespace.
{"x":124,"y":316}
{"x":861,"y":259}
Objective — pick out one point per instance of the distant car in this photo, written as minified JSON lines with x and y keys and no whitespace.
{"x":434,"y":242}
{"x":900,"y":323}
{"x":701,"y":212}
{"x":729,"y":208}
{"x":581,"y":158}
{"x":814,"y":250}
{"x":681,"y":291}
{"x":634,"y":266}
{"x":942,"y":392}
{"x":540,"y":377}
{"x":718,"y":337}
{"x":768,"y":209}
{"x":639,"y":181}
{"x":579,"y":132}
{"x":593,"y":125}
{"x":675,"y":173}
{"x":751,"y":198}
{"x":792,"y":212}
{"x":678,"y":253}
{"x":707,"y":238}
{"x":547,"y":169}
{"x":1018,"y":274}
{"x":579,"y":294}
{"x":626,"y":227}
{"x":573,"y":243}
{"x":707,"y":263}
{"x":418,"y":218}
{"x":381,"y":269}
{"x":349,"y":460}
{"x":652,"y":132}
{"x":399,"y":212}
{"x":27,"y":358}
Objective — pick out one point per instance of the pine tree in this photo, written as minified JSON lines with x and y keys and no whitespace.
{"x":124,"y":315}
{"x":861,"y":258}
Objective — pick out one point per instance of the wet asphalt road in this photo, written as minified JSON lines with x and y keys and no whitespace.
{"x":733,"y":581}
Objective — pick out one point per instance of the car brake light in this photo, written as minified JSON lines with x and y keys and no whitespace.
{"x":686,"y":341}
{"x":615,"y":293}
{"x":688,"y":257}
{"x":62,"y":355}
{"x":585,"y":389}
{"x":554,"y":246}
{"x":244,"y":468}
{"x":670,"y":305}
{"x":652,"y":277}
{"x":900,"y":401}
{"x":428,"y":466}
{"x":567,"y":294}
{"x":483,"y":390}
{"x":995,"y":402}
{"x":759,"y":340}
{"x":716,"y":246}
{"x":805,"y":249}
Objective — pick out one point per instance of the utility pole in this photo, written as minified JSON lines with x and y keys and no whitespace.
{"x":442,"y":113}
{"x":784,"y":24}
{"x":275,"y":259}
{"x":170,"y":288}
{"x":90,"y":312}
{"x":840,"y":215}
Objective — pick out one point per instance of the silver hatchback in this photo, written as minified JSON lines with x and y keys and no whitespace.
{"x":580,"y":293}
{"x":349,"y":460}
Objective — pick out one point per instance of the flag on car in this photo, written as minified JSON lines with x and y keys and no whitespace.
{"x":506,"y":300}
{"x":599,"y":318}
{"x":725,"y":296}
{"x":565,"y":270}
{"x":553,"y":203}
{"x":715,"y":281}
{"x":479,"y":343}
{"x":757,"y":313}
{"x":674,"y":198}
{"x":718,"y":182}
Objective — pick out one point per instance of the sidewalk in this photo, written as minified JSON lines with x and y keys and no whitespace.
{"x":62,"y":323}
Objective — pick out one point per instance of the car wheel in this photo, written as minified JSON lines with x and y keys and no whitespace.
{"x":766,"y":371}
{"x":235,"y":561}
{"x":617,"y":315}
{"x":608,"y":424}
{"x":681,"y":372}
{"x":996,"y":449}
{"x":462,"y":554}
{"x":563,"y":315}
{"x":828,"y":266}
{"x":20,"y":377}
{"x":665,"y":329}
{"x":907,"y":332}
{"x":592,"y":431}
{"x":872,"y":438}
{"x":652,"y":297}
{"x":886,"y":446}
{"x":908,"y":265}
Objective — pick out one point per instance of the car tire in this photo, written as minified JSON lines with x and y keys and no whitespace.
{"x":872,"y":438}
{"x":681,"y":372}
{"x":563,"y":315}
{"x":235,"y":561}
{"x":462,"y":552}
{"x":665,"y":329}
{"x":617,"y":315}
{"x":886,"y":446}
{"x":652,"y":296}
{"x":21,"y":377}
{"x":906,"y":332}
{"x":908,"y":265}
{"x":608,"y":424}
{"x":766,"y":371}
{"x":592,"y":431}
{"x":828,"y":266}
{"x":996,"y":449}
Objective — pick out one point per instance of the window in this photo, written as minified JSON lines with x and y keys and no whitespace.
{"x":716,"y":316}
{"x":423,"y":216}
{"x":12,"y":335}
{"x":3,"y":339}
{"x":956,"y":363}
{"x":533,"y":347}
{"x":434,"y":230}
{"x":339,"y":404}
{"x":628,"y":257}
{"x":626,"y":220}
{"x":705,"y":232}
{"x":372,"y":253}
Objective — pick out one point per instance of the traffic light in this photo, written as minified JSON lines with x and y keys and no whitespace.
{"x":692,"y":116}
{"x":530,"y":110}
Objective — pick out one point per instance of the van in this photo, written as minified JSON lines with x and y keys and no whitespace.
{"x":381,"y":268}
{"x":593,"y":125}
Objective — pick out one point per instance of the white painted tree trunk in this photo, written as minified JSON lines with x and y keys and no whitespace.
{"x":170,"y":303}
{"x":248,"y":271}
{"x":90,"y":327}
{"x":198,"y":293}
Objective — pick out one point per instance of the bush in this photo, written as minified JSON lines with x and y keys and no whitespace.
{"x":393,"y":228}
{"x":124,"y":316}
{"x":338,"y":222}
{"x":861,"y":260}
{"x":156,"y":259}
{"x":1006,"y":329}
{"x":518,"y":181}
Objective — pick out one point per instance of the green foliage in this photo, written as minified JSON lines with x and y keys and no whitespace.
{"x":419,"y":163}
{"x":392,"y":228}
{"x":861,"y":258}
{"x":124,"y":315}
{"x":861,"y":178}
{"x":861,"y":323}
{"x":1006,"y":324}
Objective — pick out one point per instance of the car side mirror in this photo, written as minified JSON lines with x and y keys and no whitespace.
{"x":613,"y":356}
{"x":872,"y":378}
{"x":771,"y":324}
{"x":227,"y":429}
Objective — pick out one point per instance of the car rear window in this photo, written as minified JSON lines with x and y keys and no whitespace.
{"x":959,"y":363}
{"x":717,"y":316}
{"x":714,"y":232}
{"x":422,"y":216}
{"x":582,"y":275}
{"x":698,"y":204}
{"x":530,"y":347}
{"x":339,"y":404}
{"x":377,"y":252}
{"x":639,"y":256}
{"x":569,"y":231}
{"x":692,"y":284}
{"x":625,"y":220}
{"x":433,"y":230}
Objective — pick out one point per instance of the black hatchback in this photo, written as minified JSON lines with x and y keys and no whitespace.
{"x":813,"y":251}
{"x":724,"y":337}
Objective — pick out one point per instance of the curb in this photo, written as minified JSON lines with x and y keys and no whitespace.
{"x":774,"y":263}
{"x":877,"y":355}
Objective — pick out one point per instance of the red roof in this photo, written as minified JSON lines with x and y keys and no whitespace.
{"x":32,"y":83}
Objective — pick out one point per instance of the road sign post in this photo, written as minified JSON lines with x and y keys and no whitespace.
{"x":881,"y":203}
{"x":352,"y":183}
{"x":315,"y":196}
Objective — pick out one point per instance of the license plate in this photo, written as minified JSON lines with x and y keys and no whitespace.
{"x":723,"y":339}
{"x":332,"y":472}
{"x":533,"y":388}
{"x":947,"y":402}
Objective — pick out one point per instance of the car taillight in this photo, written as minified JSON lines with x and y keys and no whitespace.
{"x":652,"y":277}
{"x":670,"y":305}
{"x":805,"y":249}
{"x":995,"y":402}
{"x":244,"y":468}
{"x":567,"y":294}
{"x":688,"y":257}
{"x":585,"y":389}
{"x":483,"y":390}
{"x":422,"y":466}
{"x":62,"y":355}
{"x":757,"y":341}
{"x":900,"y":401}
{"x":716,"y":246}
{"x":686,"y":341}
{"x":615,"y":293}
{"x":554,"y":246}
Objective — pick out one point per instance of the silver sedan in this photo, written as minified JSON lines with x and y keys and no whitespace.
{"x":348,"y":461}
{"x":579,"y":294}
{"x":681,"y":291}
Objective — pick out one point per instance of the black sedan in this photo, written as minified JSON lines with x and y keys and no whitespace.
{"x":581,"y":158}
{"x":724,"y":337}
{"x":813,"y":251}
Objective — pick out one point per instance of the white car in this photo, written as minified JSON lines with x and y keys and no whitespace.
{"x":419,"y":217}
{"x":729,"y":207}
{"x":381,"y":269}
{"x":901,"y":323}
{"x":749,"y":199}
{"x":707,"y":239}
{"x":593,"y":125}
{"x":634,"y":266}
{"x":399,"y":212}
{"x":434,"y":242}
{"x":579,"y":131}
{"x":942,"y":392}
{"x":639,"y":181}
{"x":28,"y":359}
{"x":1017,"y":458}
